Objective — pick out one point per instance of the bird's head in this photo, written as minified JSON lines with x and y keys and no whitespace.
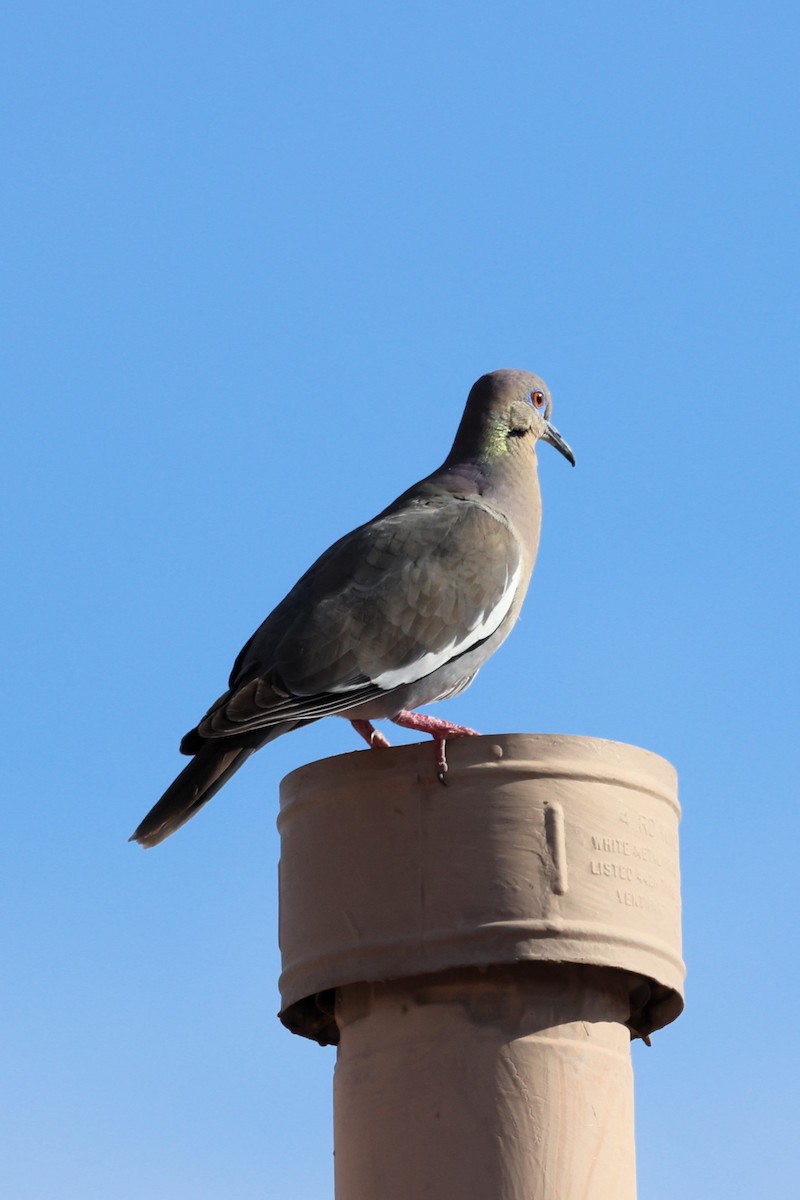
{"x":505,"y":411}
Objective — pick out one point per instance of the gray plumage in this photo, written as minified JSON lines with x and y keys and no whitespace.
{"x":399,"y":613}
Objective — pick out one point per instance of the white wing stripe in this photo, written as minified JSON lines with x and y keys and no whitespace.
{"x":434,"y":659}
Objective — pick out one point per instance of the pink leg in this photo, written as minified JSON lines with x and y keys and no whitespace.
{"x":370,"y":734}
{"x":439,"y":730}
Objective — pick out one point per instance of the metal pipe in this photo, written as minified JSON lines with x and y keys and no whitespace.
{"x":482,"y":955}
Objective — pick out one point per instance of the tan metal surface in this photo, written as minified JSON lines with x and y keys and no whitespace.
{"x":542,"y":848}
{"x":513,"y":1086}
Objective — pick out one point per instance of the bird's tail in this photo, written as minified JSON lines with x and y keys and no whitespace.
{"x":201,"y":779}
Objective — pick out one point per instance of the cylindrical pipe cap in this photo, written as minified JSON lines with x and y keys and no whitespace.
{"x":541,"y":848}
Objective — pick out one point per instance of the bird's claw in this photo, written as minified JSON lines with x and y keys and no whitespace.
{"x":441,"y":761}
{"x":372,"y":736}
{"x":439,"y":730}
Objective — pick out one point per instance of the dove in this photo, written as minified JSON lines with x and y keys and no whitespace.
{"x":398,"y":614}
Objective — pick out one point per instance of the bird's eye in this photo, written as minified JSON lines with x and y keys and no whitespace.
{"x":537,"y":399}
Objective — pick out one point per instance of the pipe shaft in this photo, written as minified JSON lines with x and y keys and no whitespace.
{"x":508,"y":1084}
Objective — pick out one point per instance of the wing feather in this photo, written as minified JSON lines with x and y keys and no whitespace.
{"x":387,"y":605}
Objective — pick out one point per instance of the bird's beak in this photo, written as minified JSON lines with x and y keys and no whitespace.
{"x":552,"y":436}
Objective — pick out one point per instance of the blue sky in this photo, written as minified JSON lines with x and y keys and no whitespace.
{"x":254,"y":257}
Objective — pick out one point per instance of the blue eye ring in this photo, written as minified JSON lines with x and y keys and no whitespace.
{"x":537,"y":399}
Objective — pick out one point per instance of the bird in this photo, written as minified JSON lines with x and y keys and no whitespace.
{"x":399,"y":613}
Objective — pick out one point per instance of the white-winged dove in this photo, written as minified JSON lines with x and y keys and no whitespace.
{"x":399,"y":613}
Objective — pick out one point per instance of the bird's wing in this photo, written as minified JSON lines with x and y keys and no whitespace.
{"x":387,"y":605}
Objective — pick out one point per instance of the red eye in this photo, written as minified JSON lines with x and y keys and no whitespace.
{"x":537,"y":399}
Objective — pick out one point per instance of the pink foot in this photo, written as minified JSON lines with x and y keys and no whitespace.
{"x":370,"y":734}
{"x":439,"y":730}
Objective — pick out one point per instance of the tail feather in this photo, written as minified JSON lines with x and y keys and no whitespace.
{"x":199,"y":780}
{"x":215,"y":760}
